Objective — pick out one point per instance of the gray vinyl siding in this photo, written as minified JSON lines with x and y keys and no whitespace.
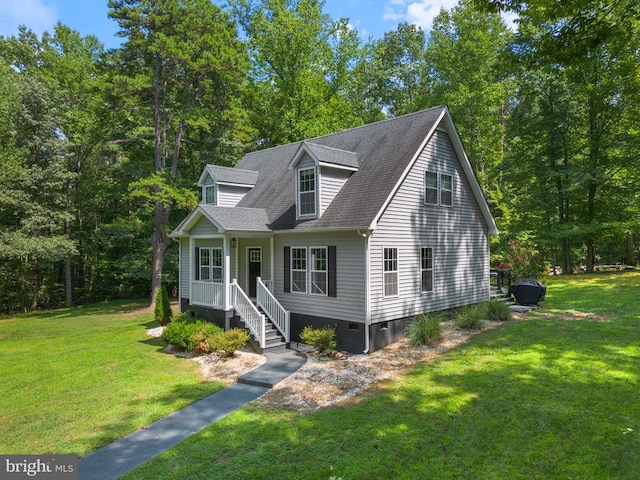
{"x":185,"y":259}
{"x":305,"y":162}
{"x":203,"y":227}
{"x":230,"y":195}
{"x":331,"y":181}
{"x":349,"y":304}
{"x":457,"y":234}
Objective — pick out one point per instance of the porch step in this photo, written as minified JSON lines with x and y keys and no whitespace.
{"x":497,"y":295}
{"x":273,"y":338}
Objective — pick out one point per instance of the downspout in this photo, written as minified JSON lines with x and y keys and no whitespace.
{"x":179,"y":274}
{"x":367,"y":292}
{"x":192,"y":260}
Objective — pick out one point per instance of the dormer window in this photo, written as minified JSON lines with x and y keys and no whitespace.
{"x":209,"y":195}
{"x":307,"y":187}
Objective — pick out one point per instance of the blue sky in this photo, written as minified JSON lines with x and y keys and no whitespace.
{"x":371,"y":18}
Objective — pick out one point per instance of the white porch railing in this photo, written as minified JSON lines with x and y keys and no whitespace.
{"x":270,"y":305}
{"x":268,"y":284}
{"x":248,"y":312}
{"x":207,"y":294}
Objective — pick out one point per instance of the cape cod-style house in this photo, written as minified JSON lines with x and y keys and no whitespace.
{"x":361,"y":230}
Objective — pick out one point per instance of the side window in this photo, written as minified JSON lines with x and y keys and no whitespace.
{"x":431,"y":188}
{"x":446,"y":189}
{"x":390,"y":269}
{"x":299,"y":270}
{"x":426,"y":269}
{"x":438,"y":189}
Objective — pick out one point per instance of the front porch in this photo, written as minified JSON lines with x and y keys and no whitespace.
{"x":267,"y":320}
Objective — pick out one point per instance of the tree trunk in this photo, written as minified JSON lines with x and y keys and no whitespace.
{"x":159,"y":245}
{"x":630,"y":257}
{"x":68,"y":287}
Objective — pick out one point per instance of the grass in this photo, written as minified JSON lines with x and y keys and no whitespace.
{"x":74,"y":380}
{"x":554,"y":396}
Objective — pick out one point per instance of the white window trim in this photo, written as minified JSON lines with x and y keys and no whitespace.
{"x":205,"y":200}
{"x":397,"y":272}
{"x":426,"y":292}
{"x":211,"y":267}
{"x":309,"y":270}
{"x":306,"y":270}
{"x":439,"y":189}
{"x":424,"y":188}
{"x":312,"y":271}
{"x":315,"y":192}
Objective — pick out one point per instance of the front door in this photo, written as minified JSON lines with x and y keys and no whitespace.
{"x":255,"y":268}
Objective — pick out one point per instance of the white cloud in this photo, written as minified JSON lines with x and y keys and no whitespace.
{"x":423,"y":13}
{"x":33,"y":13}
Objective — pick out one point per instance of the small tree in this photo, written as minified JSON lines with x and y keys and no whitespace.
{"x":163,"y":311}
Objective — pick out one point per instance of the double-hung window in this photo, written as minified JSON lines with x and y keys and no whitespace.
{"x":446,"y":189}
{"x":438,"y":189}
{"x":210,"y":264}
{"x":209,"y":195}
{"x":390,"y":271}
{"x":426,"y":269}
{"x":298,"y":270}
{"x":318,"y":270}
{"x":307,"y":191}
{"x":310,"y":270}
{"x":431,"y":188}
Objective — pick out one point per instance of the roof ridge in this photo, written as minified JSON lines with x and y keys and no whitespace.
{"x":359,"y":127}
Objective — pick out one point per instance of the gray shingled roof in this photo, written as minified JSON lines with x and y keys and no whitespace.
{"x":384,"y":150}
{"x":333,"y":156}
{"x":233,"y":175}
{"x":236,"y":218}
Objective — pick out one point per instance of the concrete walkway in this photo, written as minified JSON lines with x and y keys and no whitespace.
{"x":135,"y":449}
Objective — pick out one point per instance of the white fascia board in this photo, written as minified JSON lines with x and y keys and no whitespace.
{"x":337,"y":167}
{"x":182,"y":229}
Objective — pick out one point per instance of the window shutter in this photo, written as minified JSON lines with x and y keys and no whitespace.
{"x":331,"y":272}
{"x":197,"y":262}
{"x":287,"y":269}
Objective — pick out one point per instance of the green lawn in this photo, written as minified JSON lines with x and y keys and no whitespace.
{"x":554,"y":396}
{"x":74,"y":380}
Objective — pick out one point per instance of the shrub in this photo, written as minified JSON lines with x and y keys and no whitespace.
{"x":203,"y":337}
{"x":497,"y":310}
{"x":320,"y":338}
{"x":188,"y":334}
{"x":180,"y":333}
{"x":227,"y":342}
{"x":470,"y":317}
{"x":425,"y":329}
{"x":163,"y":312}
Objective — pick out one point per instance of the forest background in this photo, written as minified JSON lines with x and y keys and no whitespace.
{"x":100,"y":150}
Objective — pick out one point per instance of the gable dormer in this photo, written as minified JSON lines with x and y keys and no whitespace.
{"x":320,"y":174}
{"x":225,"y":186}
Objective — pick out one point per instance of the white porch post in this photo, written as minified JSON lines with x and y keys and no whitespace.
{"x":192,"y":263}
{"x":227,"y":272}
{"x":273,"y":263}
